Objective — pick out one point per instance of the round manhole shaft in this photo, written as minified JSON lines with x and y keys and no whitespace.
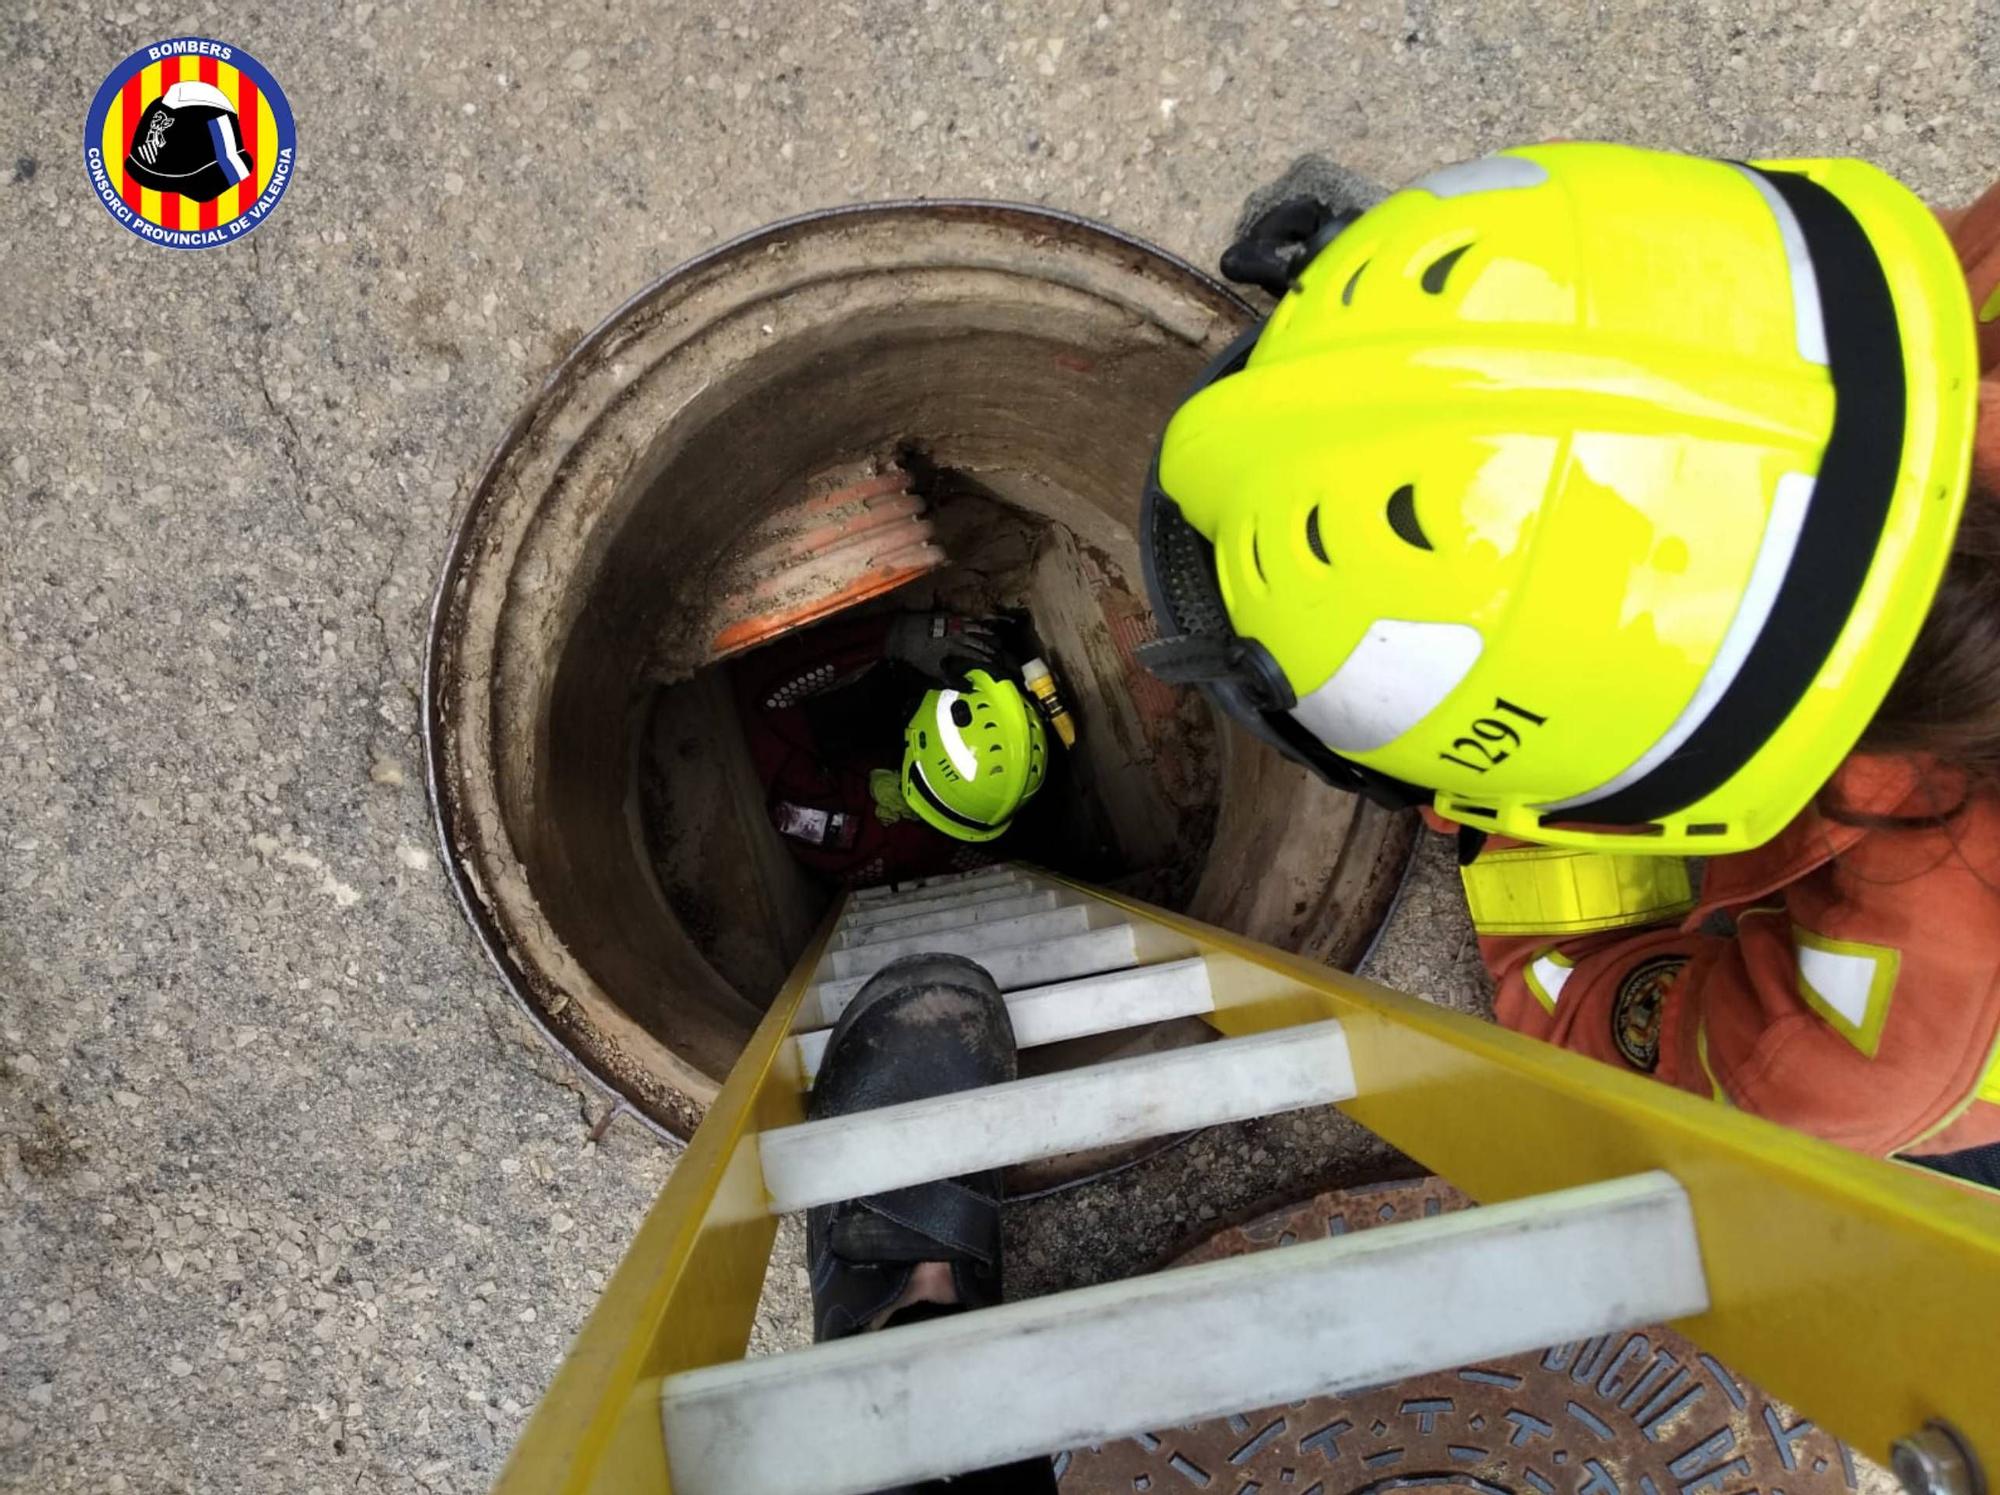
{"x":610,"y":843}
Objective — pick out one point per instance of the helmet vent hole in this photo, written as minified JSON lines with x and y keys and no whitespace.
{"x":961,"y":713}
{"x":1441,"y":267}
{"x":1403,"y":518}
{"x":1313,"y":541}
{"x":1257,"y":556}
{"x":1347,"y":291}
{"x":923,"y":741}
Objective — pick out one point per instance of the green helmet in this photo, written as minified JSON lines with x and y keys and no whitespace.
{"x":971,"y":758}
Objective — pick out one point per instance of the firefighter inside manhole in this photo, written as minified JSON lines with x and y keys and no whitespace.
{"x":897,"y":675}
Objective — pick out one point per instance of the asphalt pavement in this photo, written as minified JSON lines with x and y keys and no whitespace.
{"x":289,"y":1198}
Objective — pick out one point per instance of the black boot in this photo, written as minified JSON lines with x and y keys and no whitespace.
{"x":923,"y":1026}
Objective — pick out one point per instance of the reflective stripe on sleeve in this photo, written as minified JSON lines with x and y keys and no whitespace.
{"x":1848,"y":983}
{"x":1715,"y":1087}
{"x":1988,"y":1089}
{"x":1547,"y":974}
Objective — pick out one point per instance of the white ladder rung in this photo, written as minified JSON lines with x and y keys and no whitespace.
{"x":866,"y":915}
{"x":1012,"y":969}
{"x":956,"y":881}
{"x":1265,"y":1329}
{"x":1077,"y":1009}
{"x":1125,"y":1100}
{"x":967,"y":939}
{"x":975,"y":908}
{"x":935,"y":898}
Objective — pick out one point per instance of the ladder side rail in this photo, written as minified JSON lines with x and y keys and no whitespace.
{"x":1857,"y":1290}
{"x":685,"y":1292}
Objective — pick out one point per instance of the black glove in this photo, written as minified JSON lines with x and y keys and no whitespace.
{"x":943,"y":646}
{"x":1281,"y":242}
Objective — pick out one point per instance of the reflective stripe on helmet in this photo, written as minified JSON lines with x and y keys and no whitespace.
{"x":1837,"y":534}
{"x":932,"y":798}
{"x":1395,"y":677}
{"x":1808,"y":321}
{"x":1497,"y":173}
{"x":1789,"y":505}
{"x":956,"y":748}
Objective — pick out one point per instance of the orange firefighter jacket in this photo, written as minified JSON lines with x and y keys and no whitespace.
{"x":1843,"y":979}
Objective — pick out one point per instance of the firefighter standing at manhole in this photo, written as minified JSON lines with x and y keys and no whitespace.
{"x":829,"y":714}
{"x":1614,"y":507}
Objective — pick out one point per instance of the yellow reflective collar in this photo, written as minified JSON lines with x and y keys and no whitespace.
{"x":1560,"y":890}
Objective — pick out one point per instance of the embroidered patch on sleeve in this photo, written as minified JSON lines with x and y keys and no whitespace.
{"x":1848,"y":983}
{"x":1636,"y":1012}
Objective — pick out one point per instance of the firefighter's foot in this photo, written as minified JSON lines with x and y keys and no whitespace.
{"x":931,"y":1287}
{"x":923,"y":1026}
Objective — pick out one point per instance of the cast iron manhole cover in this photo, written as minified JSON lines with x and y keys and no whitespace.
{"x":1639,"y":1413}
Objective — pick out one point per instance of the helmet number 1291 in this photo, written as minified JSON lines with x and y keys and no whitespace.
{"x":1487,"y":735}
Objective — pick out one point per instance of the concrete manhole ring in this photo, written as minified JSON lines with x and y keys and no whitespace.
{"x":1638,"y":1413}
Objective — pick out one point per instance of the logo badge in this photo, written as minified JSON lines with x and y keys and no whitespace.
{"x":190,"y":143}
{"x":1639,"y":1006}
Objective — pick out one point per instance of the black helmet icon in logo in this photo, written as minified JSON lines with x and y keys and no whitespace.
{"x":189,"y":141}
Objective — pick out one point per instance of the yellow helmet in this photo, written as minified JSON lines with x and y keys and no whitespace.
{"x":1591,"y":493}
{"x":973,"y":757}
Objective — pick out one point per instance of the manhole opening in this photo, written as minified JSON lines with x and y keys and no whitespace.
{"x":1131,"y":807}
{"x":605,"y":830}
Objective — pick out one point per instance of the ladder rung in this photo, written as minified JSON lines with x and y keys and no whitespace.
{"x":966,"y":939}
{"x":1150,"y":1095}
{"x":976,"y":908}
{"x":1012,"y":969}
{"x":1265,"y":1329}
{"x":862,"y":915}
{"x":1076,"y":1009}
{"x":955,"y":881}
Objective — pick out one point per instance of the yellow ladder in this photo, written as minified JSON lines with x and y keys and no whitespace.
{"x":1862,"y":1293}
